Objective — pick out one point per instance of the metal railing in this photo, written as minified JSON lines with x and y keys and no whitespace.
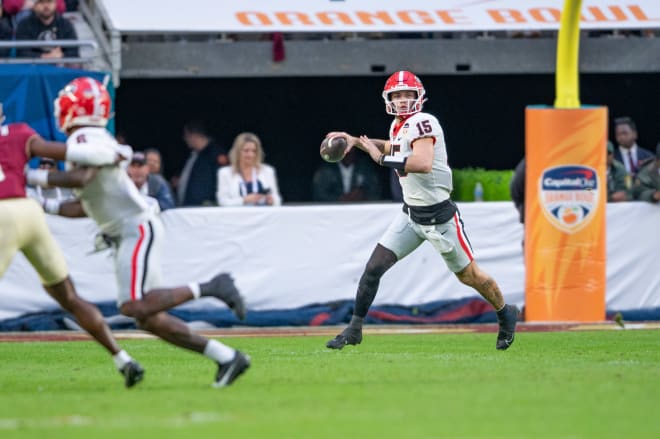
{"x":105,"y":33}
{"x":30,"y":44}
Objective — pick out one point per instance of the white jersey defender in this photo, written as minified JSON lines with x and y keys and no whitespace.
{"x":111,"y":199}
{"x":127,"y":222}
{"x":122,"y":214}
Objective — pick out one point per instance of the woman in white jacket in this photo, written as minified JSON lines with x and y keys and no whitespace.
{"x":248,"y":181}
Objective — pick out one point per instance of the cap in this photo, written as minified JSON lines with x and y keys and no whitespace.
{"x":138,"y":158}
{"x":610,"y":147}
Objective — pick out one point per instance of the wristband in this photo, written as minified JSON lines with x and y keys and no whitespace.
{"x":390,"y":161}
{"x":37,"y":177}
{"x":52,"y":206}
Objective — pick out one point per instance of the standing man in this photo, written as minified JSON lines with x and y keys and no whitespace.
{"x":617,"y":189}
{"x":197,"y":185}
{"x":416,"y":149}
{"x":23,"y":228}
{"x":133,"y":230}
{"x":629,"y":153}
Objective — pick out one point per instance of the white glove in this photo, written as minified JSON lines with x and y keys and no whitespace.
{"x":51,"y":206}
{"x":37,"y":177}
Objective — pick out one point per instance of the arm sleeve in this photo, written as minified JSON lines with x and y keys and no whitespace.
{"x":89,"y":154}
{"x":274,"y":187}
{"x":164,"y":195}
{"x":227,"y":195}
{"x":23,"y":32}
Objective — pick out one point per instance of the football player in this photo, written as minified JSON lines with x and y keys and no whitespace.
{"x":131,"y":228}
{"x":24,"y":229}
{"x":416,"y":150}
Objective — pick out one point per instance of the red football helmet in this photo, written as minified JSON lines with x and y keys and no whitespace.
{"x":404,"y":81}
{"x":82,"y":102}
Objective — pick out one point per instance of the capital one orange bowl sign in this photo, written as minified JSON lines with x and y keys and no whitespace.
{"x":372,"y":15}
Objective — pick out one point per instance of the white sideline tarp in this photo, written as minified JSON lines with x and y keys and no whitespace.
{"x":211,"y":16}
{"x":291,"y":256}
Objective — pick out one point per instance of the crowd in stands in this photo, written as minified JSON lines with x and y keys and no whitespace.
{"x":211,"y":176}
{"x":37,"y":20}
{"x":633,"y":172}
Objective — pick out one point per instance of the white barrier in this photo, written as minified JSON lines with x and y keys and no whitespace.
{"x":287,"y":257}
{"x":152,"y":16}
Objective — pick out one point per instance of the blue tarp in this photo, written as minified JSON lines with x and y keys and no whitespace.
{"x":27,"y":92}
{"x":470,"y":310}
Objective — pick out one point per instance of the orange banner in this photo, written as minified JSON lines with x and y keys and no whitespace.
{"x":565,"y":200}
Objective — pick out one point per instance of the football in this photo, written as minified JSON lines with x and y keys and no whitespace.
{"x":333,"y":149}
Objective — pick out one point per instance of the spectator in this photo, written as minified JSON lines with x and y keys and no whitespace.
{"x":21,"y":9}
{"x":197,"y":185}
{"x":647,"y":183}
{"x":517,"y":189}
{"x":629,"y":153}
{"x":42,"y":195}
{"x":149,"y":185}
{"x":617,"y":188}
{"x":5,"y":33}
{"x":154,"y":161}
{"x":248,"y":181}
{"x":45,"y":24}
{"x":351,"y":179}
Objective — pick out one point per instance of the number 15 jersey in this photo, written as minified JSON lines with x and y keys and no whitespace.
{"x":422,"y":189}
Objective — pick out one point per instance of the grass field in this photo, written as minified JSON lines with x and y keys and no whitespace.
{"x":599,"y":384}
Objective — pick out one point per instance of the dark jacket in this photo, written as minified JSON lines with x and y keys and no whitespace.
{"x":616,"y":179}
{"x":5,"y":35}
{"x":158,"y":188}
{"x":31,"y":28}
{"x":643,"y":156}
{"x":203,"y":182}
{"x":327,"y":183}
{"x":647,"y":183}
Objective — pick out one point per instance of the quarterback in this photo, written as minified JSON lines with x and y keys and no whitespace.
{"x":416,"y":150}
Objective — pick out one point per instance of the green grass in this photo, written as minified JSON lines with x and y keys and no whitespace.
{"x":548,"y":385}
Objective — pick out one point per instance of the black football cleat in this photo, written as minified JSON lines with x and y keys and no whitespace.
{"x":348,"y":336}
{"x":223,"y":287}
{"x":507,"y":321}
{"x":133,"y":373}
{"x":229,"y":372}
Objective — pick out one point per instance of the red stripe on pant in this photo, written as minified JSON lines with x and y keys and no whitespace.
{"x":134,"y":263}
{"x":461,"y":237}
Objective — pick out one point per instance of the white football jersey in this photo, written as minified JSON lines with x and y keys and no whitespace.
{"x":111,"y":199}
{"x":422,"y":189}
